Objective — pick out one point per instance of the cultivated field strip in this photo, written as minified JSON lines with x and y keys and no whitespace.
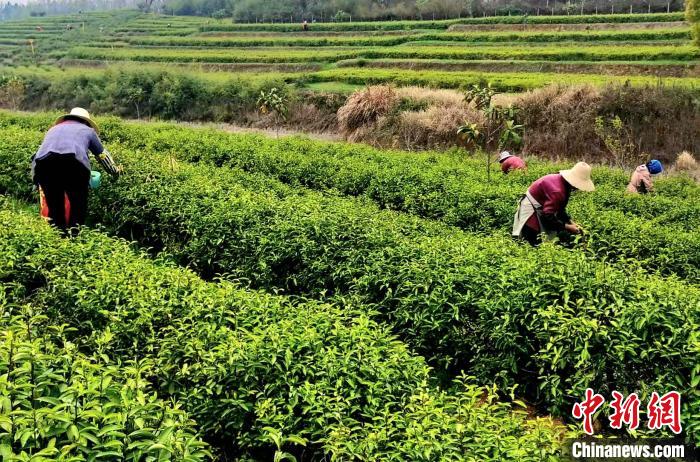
{"x":636,"y":48}
{"x":445,"y":24}
{"x":500,"y":80}
{"x":682,"y":33}
{"x":660,"y":232}
{"x":561,"y":52}
{"x":64,"y":400}
{"x":553,"y":320}
{"x":245,"y":366}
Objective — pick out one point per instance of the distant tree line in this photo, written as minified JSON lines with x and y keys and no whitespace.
{"x":15,"y":10}
{"x":340,"y":10}
{"x":358,"y":10}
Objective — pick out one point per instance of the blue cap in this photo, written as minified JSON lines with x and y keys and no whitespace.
{"x":655,"y":167}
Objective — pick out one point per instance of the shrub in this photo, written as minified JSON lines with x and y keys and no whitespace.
{"x":59,"y":403}
{"x":551,"y":320}
{"x":253,"y":367}
{"x":561,"y":119}
{"x":692,"y":15}
{"x":441,"y":187}
{"x":405,"y":117}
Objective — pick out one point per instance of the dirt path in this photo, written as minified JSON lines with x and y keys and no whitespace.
{"x":270,"y":132}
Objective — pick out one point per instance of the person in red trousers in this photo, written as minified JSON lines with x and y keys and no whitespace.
{"x":61,"y":167}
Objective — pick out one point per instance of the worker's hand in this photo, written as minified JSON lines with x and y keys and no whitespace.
{"x":573,"y":228}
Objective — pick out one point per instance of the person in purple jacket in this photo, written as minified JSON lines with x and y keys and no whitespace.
{"x":543,"y":208}
{"x":509,"y":162}
{"x":61,"y":167}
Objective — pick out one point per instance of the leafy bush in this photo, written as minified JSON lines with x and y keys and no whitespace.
{"x":329,"y":54}
{"x":551,"y":320}
{"x":390,"y":40}
{"x":403,"y":25}
{"x":452,"y":190}
{"x":60,"y":404}
{"x":253,"y":368}
{"x":692,"y":15}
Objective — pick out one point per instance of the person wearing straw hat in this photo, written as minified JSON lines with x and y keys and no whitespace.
{"x":543,"y":208}
{"x":509,"y":162}
{"x":641,"y":182}
{"x":61,"y":167}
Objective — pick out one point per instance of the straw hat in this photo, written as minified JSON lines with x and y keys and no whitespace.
{"x":504,"y":155}
{"x":579,"y":177}
{"x":78,"y":113}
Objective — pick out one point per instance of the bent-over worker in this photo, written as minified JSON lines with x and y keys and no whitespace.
{"x":641,"y":182}
{"x":509,"y":162}
{"x":543,"y":208}
{"x":61,"y":167}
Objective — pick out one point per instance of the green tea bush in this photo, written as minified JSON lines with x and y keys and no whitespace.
{"x":252,"y":368}
{"x":501,"y":81}
{"x":659,"y":231}
{"x":485,"y":304}
{"x":330,"y":54}
{"x":692,"y":15}
{"x":321,"y":41}
{"x":577,"y":19}
{"x":60,"y":404}
{"x":443,"y":24}
{"x":551,"y":320}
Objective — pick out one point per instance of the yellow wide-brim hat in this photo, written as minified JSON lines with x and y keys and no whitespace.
{"x":78,"y":113}
{"x":579,"y":177}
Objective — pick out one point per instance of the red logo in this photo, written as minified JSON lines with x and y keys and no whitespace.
{"x":624,"y":411}
{"x":665,"y":411}
{"x":587,"y":408}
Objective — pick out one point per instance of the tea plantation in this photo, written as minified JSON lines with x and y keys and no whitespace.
{"x":598,"y":49}
{"x":237,"y":297}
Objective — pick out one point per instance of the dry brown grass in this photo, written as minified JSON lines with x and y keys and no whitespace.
{"x":365,"y":107}
{"x":687,"y":165}
{"x":685,"y":162}
{"x":428,"y":119}
{"x":560,"y":120}
{"x":435,"y":127}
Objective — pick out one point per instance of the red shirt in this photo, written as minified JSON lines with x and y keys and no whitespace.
{"x":513,"y":163}
{"x":552,"y":192}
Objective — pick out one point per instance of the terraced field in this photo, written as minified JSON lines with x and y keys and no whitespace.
{"x":516,"y":53}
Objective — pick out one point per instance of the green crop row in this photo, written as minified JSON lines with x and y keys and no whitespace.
{"x":264,"y":55}
{"x":564,"y":52}
{"x":258,"y":373}
{"x":129,"y":32}
{"x":660,"y":231}
{"x":331,"y":54}
{"x":577,"y":19}
{"x":57,"y":403}
{"x":501,"y":81}
{"x":444,"y":24}
{"x":643,"y":35}
{"x":549,"y":319}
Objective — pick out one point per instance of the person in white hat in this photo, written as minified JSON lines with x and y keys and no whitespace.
{"x":543,"y":208}
{"x":61,"y":167}
{"x":509,"y":162}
